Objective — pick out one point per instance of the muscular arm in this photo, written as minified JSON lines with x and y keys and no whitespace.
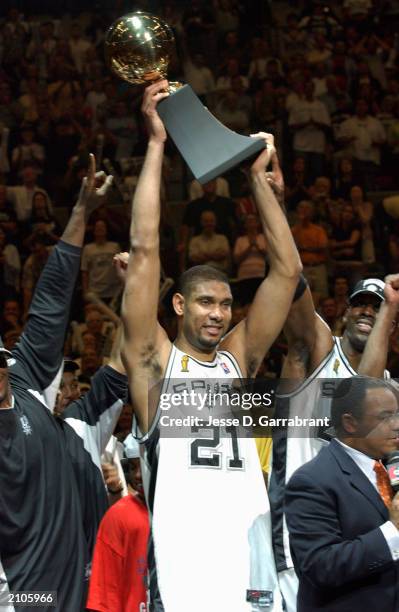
{"x":375,"y":354}
{"x":146,"y":344}
{"x":251,"y":338}
{"x":309,"y":338}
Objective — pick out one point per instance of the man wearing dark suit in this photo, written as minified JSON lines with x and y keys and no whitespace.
{"x":342,"y":516}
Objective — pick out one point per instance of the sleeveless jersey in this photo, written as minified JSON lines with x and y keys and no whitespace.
{"x":211,"y":543}
{"x":292,"y":447}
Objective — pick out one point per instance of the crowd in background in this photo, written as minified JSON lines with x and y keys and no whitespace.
{"x":323,"y":77}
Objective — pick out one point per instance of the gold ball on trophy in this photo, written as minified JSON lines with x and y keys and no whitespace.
{"x":138,"y":47}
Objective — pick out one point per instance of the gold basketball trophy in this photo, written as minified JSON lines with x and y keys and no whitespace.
{"x":138,"y":47}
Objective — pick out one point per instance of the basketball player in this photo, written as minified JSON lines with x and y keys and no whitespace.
{"x":315,"y":354}
{"x":211,"y":536}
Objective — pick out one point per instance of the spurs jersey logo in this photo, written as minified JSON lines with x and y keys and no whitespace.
{"x":184,"y":363}
{"x":336,"y":366}
{"x":26,"y":427}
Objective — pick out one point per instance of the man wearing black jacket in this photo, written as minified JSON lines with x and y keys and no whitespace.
{"x":51,"y":492}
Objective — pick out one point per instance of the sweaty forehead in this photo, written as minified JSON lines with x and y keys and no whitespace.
{"x":211,"y":288}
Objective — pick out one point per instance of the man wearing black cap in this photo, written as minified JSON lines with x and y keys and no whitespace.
{"x":315,"y":361}
{"x":48,"y":481}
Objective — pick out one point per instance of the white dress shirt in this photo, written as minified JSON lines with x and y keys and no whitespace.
{"x":366,"y":465}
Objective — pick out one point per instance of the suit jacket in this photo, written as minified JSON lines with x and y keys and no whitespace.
{"x":340,"y":555}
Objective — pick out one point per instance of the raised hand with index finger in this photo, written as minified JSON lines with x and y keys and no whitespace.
{"x":95,"y":188}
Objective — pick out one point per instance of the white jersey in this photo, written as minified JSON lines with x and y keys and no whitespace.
{"x":211,"y":530}
{"x":292,"y":447}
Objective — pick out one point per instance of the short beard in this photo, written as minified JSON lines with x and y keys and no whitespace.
{"x":358,"y":344}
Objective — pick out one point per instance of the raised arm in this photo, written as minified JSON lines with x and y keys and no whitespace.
{"x":375,"y":354}
{"x":38,"y":354}
{"x":146,"y":344}
{"x":250,"y":340}
{"x":309,"y":338}
{"x":94,"y":415}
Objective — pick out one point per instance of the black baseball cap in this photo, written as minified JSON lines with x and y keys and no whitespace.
{"x":70,"y":365}
{"x":374,"y":286}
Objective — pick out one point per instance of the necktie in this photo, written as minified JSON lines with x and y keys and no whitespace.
{"x":383,"y":483}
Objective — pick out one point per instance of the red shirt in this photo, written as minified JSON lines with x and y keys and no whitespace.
{"x":119,"y":570}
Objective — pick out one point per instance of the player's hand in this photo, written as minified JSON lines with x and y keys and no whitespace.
{"x":262,"y":161}
{"x":111,"y":477}
{"x":391,"y":289}
{"x":120,"y":262}
{"x":152,"y":95}
{"x":95,"y":188}
{"x":275,"y":179}
{"x":394,"y":511}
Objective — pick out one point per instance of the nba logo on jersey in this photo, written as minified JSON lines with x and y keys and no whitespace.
{"x":226,"y":370}
{"x":184,"y":363}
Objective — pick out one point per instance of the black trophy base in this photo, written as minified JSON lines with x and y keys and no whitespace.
{"x":208,"y":147}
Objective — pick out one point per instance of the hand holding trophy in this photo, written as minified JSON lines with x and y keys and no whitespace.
{"x":138,"y":47}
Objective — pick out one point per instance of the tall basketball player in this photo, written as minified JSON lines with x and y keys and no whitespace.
{"x":315,"y":355}
{"x":211,"y":547}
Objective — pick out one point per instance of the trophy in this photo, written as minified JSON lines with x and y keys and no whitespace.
{"x":138,"y":47}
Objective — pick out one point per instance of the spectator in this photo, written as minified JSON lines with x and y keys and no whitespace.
{"x":195,"y":190}
{"x":250,"y":250}
{"x":341,"y":294}
{"x":42,"y":221}
{"x":33,"y":267}
{"x":95,"y":98}
{"x":21,"y":196}
{"x":28,"y":151}
{"x":229,"y":113}
{"x":223,"y":208}
{"x":297,"y":188}
{"x":319,"y":21}
{"x":223,"y":83}
{"x":365,"y":213}
{"x":97,"y":269}
{"x":312,"y":242}
{"x":209,"y":247}
{"x":123,"y":126}
{"x":11,"y":110}
{"x":345,"y":238}
{"x":199,"y":76}
{"x":12,"y":314}
{"x":320,"y":52}
{"x":329,"y":312}
{"x":41,"y":47}
{"x":266,"y":106}
{"x":345,"y":179}
{"x":309,"y":121}
{"x":8,"y":217}
{"x":294,"y":39}
{"x":10,"y":266}
{"x":244,"y":101}
{"x":78,"y":47}
{"x":96,"y":330}
{"x":363,"y":135}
